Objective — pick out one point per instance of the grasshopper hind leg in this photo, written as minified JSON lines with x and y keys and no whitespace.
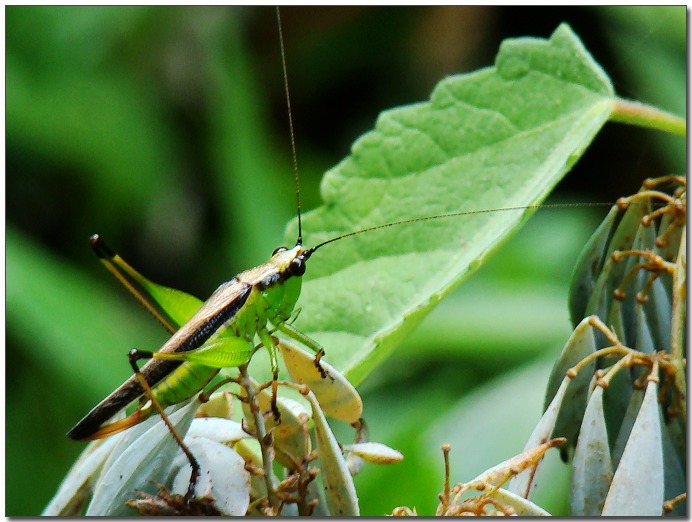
{"x":134,"y":356}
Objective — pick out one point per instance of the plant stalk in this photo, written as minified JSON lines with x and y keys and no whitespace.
{"x":635,"y":113}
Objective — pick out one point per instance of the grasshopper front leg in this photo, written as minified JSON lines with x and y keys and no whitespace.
{"x":308,"y":342}
{"x":270,"y":344}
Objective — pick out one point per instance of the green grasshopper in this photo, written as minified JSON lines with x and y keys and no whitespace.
{"x":219,"y":334}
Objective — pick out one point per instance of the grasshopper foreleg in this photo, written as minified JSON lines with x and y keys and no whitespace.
{"x":134,"y":356}
{"x":270,"y":344}
{"x":318,"y":357}
{"x":309,"y":343}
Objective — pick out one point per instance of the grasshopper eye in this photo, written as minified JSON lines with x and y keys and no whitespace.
{"x":297,"y":267}
{"x":280,"y":249}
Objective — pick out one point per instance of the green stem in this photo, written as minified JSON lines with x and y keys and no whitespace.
{"x":635,"y":113}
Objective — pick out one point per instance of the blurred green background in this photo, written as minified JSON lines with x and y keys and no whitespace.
{"x":165,"y":130}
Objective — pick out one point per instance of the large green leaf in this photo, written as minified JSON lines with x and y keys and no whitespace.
{"x":499,"y":137}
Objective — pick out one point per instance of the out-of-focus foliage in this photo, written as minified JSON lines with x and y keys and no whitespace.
{"x":164,"y":129}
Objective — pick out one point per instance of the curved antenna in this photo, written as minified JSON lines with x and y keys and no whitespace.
{"x":455,"y":214}
{"x":290,"y":125}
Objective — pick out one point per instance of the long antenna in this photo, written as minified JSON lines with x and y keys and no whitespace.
{"x":457,"y":214}
{"x":290,"y":125}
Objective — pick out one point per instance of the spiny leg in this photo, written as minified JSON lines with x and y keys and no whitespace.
{"x":134,"y":356}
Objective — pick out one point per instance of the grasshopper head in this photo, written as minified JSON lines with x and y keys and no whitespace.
{"x":281,"y":286}
{"x":290,"y":262}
